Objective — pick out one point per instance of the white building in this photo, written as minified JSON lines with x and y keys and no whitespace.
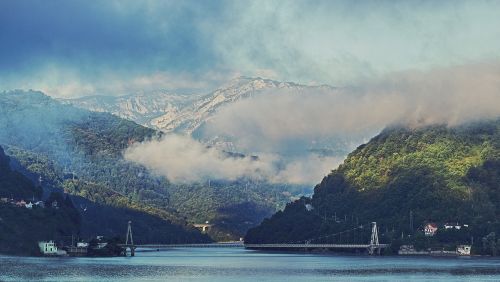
{"x":48,"y":247}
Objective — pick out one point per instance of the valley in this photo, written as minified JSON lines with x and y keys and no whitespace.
{"x":80,"y":152}
{"x":432,"y":174}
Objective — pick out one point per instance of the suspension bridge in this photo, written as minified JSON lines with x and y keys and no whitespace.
{"x":326,"y":242}
{"x":352,"y":240}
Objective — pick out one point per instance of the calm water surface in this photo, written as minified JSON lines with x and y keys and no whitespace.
{"x":229,"y":264}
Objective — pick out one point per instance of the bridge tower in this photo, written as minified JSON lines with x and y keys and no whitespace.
{"x":374,"y":243}
{"x":129,"y":235}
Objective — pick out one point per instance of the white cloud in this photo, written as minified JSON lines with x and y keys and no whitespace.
{"x":309,"y":169}
{"x":184,"y":160}
{"x":280,"y":120}
{"x":65,"y":82}
{"x":447,"y":96}
{"x":343,"y":42}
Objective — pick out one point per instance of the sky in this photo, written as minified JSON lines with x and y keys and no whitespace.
{"x":391,"y":62}
{"x":77,"y":48}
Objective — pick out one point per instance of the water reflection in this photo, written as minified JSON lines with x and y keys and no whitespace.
{"x":244,"y":265}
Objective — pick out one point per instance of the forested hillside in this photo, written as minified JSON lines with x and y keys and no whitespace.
{"x":21,"y":228}
{"x":434,"y":174}
{"x":81,"y":152}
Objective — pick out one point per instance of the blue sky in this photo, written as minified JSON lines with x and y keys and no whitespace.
{"x":74,"y":48}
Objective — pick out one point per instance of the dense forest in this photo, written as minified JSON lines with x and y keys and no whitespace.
{"x":402,"y":179}
{"x":80,"y":152}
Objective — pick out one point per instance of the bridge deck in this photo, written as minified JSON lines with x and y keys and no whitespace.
{"x":259,"y":246}
{"x":206,"y":245}
{"x":312,"y":246}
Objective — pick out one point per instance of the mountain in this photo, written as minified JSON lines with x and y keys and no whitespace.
{"x":195,"y":115}
{"x":191,"y":118}
{"x":80,"y":152}
{"x":140,"y":108}
{"x":170,"y":112}
{"x":402,"y":176}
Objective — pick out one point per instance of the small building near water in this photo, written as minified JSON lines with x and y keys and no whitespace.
{"x":48,"y":247}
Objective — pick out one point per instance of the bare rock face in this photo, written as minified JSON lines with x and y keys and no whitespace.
{"x":183,"y":113}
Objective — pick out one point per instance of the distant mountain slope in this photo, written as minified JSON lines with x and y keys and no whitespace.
{"x":438,"y":174}
{"x":141,"y":108}
{"x":196,"y":116}
{"x":189,"y":119}
{"x":182,"y":113}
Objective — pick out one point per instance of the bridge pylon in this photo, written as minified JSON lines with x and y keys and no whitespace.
{"x":374,"y":243}
{"x":129,"y":236}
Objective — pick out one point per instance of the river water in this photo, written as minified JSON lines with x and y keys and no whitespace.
{"x":230,"y":264}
